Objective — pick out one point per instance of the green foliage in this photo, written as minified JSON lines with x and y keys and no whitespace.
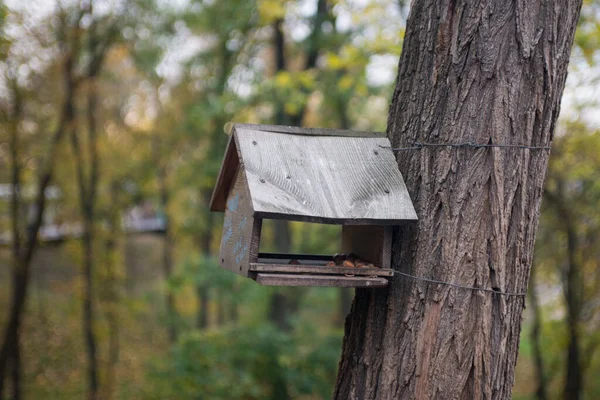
{"x":225,"y":364}
{"x":246,"y":363}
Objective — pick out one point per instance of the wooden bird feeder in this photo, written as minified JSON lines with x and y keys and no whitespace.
{"x":325,"y":176}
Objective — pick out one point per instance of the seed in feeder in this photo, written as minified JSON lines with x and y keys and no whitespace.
{"x":348,"y":264}
{"x":338,"y":259}
{"x":330,"y":264}
{"x":294,"y":262}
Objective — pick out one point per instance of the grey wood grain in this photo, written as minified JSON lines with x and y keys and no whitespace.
{"x":319,"y":280}
{"x":226,"y":176}
{"x":237,"y":245}
{"x":312,"y":269}
{"x":294,"y":130}
{"x":328,"y":179}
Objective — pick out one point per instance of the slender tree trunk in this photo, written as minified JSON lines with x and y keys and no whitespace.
{"x":22,"y":271}
{"x":202,"y":294}
{"x":221,"y":311}
{"x":281,"y":301}
{"x":89,"y":308}
{"x":482,"y":72}
{"x":573,"y":290}
{"x":15,"y":120}
{"x":167,"y":255}
{"x":233,"y":312}
{"x":10,"y":346}
{"x":16,"y":371}
{"x":278,"y":313}
{"x":283,"y":236}
{"x":87,"y":187}
{"x":540,"y":392}
{"x":346,"y":294}
{"x":344,"y":305}
{"x":112,"y":288}
{"x":203,"y":299}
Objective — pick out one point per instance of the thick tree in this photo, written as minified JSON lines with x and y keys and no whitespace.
{"x":482,"y":72}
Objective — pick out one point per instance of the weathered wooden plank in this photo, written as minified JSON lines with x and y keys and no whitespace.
{"x":386,"y":247}
{"x":226,"y":177}
{"x":237,"y":244}
{"x":324,"y":179}
{"x":286,"y":258}
{"x":313,"y":269}
{"x":294,"y":130}
{"x":295,"y":256}
{"x":319,"y":280}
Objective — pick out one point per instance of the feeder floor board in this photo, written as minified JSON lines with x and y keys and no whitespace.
{"x":314,"y":269}
{"x":320,"y":280}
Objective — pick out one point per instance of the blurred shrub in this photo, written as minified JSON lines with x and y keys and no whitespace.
{"x":246,"y":363}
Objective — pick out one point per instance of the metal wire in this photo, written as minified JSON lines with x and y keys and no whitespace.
{"x":419,"y":146}
{"x":494,"y":291}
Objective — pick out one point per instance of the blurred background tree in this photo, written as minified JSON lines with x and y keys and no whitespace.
{"x":114,"y":116}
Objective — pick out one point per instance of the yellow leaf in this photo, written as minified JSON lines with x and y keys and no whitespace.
{"x":345,"y":83}
{"x":334,"y":61}
{"x":283,"y":79}
{"x":270,"y":10}
{"x":307,"y":79}
{"x":291,"y":108}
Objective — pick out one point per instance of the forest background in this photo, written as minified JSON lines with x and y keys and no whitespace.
{"x":125,"y":106}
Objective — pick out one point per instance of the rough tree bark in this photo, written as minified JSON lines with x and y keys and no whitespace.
{"x":483,"y":72}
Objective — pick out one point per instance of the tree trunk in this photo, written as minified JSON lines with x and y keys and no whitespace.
{"x":16,"y":371}
{"x":15,"y":116}
{"x":89,"y":309}
{"x":87,"y":188}
{"x":202,"y":294}
{"x":203,"y":299}
{"x":283,"y":236}
{"x":167,"y":255}
{"x":344,"y":305}
{"x":572,"y":291}
{"x":22,"y":271}
{"x":112,"y":294}
{"x":482,"y":72}
{"x":540,"y":392}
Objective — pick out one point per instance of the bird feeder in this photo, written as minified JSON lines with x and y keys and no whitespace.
{"x":325,"y":176}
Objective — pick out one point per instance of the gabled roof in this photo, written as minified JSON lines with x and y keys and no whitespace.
{"x":319,"y":175}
